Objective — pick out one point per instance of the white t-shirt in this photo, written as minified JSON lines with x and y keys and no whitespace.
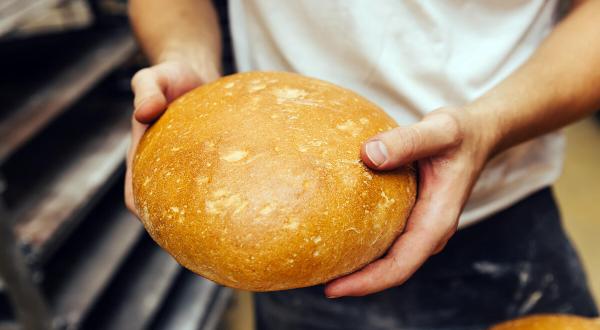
{"x":411,"y":57}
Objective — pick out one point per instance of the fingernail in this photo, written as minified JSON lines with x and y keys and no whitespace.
{"x":333,"y":297}
{"x":377,"y":152}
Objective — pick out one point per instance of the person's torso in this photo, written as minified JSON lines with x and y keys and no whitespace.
{"x":410,"y":57}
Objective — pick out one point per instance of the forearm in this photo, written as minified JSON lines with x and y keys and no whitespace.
{"x":183,"y":30}
{"x":559,"y":84}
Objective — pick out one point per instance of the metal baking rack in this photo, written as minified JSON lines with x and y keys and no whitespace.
{"x":71,"y":255}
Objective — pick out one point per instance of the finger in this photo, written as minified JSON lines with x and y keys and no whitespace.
{"x":137,"y":131}
{"x":149,"y":89}
{"x":441,"y":246}
{"x":128,"y":193}
{"x":432,"y":221}
{"x":402,"y":145}
{"x":387,"y":272}
{"x":404,"y":258}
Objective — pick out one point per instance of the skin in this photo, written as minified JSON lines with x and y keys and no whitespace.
{"x":556,"y":86}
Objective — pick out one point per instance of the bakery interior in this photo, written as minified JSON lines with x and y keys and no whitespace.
{"x":71,"y":255}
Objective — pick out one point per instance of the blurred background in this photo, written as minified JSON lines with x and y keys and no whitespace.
{"x":71,"y":256}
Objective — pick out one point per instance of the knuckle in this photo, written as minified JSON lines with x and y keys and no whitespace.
{"x":403,"y":142}
{"x":441,"y":246}
{"x":409,"y":138}
{"x":449,"y":232}
{"x":396,"y":262}
{"x":444,"y":240}
{"x":412,"y":140}
{"x":400,"y":276}
{"x":450,"y":126}
{"x":451,"y":228}
{"x":141,"y":75}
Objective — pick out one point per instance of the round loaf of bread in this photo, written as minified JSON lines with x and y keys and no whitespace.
{"x":255,"y":182}
{"x":550,"y":322}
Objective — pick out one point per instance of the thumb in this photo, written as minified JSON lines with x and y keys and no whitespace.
{"x":149,"y":90}
{"x":436,"y":133}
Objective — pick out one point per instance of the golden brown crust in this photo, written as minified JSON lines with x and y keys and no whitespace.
{"x":255,"y":181}
{"x":550,"y":322}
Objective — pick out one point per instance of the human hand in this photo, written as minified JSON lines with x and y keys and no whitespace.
{"x":451,"y":147}
{"x":154,"y":88}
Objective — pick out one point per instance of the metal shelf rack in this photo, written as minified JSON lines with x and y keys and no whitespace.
{"x":71,"y":255}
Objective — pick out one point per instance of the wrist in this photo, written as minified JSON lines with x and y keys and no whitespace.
{"x":483,"y":129}
{"x":202,"y":63}
{"x":486,"y":129}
